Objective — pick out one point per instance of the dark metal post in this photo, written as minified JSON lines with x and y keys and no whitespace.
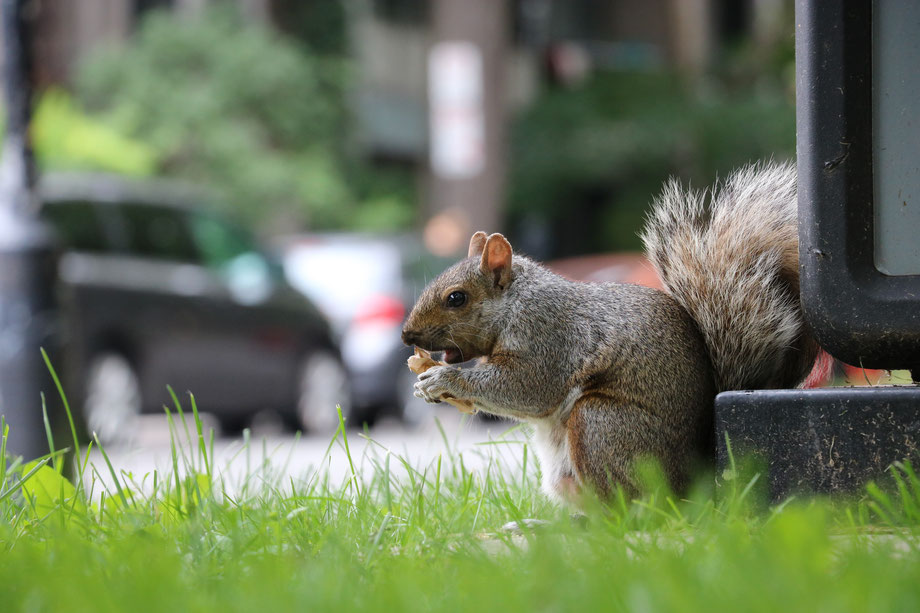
{"x":855,"y":65}
{"x":27,"y":313}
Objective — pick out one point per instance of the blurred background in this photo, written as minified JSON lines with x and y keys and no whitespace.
{"x":249,"y":194}
{"x":551,"y":120}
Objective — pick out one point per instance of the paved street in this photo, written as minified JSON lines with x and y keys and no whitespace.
{"x":274,"y":455}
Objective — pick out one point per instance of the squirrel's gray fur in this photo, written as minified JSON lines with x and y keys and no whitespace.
{"x":610,"y":373}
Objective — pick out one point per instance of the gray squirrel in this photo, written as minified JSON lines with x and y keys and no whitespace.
{"x":609,"y":373}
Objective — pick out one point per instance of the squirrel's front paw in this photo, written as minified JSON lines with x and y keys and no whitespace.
{"x":435,"y":383}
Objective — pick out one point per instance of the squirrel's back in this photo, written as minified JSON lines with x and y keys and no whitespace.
{"x":729,"y":256}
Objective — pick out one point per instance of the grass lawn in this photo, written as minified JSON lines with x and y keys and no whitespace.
{"x":429,"y":540}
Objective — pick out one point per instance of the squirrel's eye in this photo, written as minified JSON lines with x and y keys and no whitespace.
{"x":456,"y":299}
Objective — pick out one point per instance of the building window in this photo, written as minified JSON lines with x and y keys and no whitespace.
{"x":412,"y":12}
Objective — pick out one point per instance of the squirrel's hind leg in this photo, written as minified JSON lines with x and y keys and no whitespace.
{"x":606,"y":440}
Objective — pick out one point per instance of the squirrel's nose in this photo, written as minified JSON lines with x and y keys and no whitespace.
{"x":410,"y":337}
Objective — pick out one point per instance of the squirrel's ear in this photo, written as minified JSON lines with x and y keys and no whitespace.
{"x":477,"y":244}
{"x":496,"y":260}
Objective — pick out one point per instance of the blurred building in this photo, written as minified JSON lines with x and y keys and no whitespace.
{"x":547,"y":40}
{"x":501,"y":53}
{"x":541,"y":43}
{"x":67,"y":31}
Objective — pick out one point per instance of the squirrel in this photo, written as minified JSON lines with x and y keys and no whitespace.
{"x":610,"y":373}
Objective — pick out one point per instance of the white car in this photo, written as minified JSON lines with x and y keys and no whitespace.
{"x":365,"y":284}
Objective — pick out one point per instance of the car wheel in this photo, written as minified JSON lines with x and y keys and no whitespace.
{"x":113,"y":398}
{"x":233,"y":425}
{"x":322,"y":384}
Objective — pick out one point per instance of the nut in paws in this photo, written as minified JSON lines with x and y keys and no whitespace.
{"x":433,"y":384}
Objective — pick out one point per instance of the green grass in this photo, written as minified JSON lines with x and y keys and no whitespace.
{"x":397,"y":537}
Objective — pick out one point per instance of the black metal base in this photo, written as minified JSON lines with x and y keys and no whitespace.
{"x":821,"y":441}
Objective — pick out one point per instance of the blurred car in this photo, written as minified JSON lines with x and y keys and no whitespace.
{"x":155,"y":289}
{"x":366,"y":284}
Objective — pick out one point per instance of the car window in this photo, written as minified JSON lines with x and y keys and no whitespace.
{"x":77,"y":225}
{"x":232,"y":252}
{"x":218,"y":241}
{"x":158,"y":232}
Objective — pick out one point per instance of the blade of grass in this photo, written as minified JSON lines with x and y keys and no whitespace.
{"x":57,"y":465}
{"x":26,"y":477}
{"x":437,"y":422}
{"x":290,"y":456}
{"x":908,"y":506}
{"x":73,"y":427}
{"x":181,"y":416}
{"x":89,"y":449}
{"x":524,"y":468}
{"x":411,"y":471}
{"x":4,"y":434}
{"x":173,"y":442}
{"x":105,"y":456}
{"x":202,"y":447}
{"x":437,"y":482}
{"x":351,"y":463}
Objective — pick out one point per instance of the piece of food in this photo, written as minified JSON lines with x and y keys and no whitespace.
{"x":422,"y":361}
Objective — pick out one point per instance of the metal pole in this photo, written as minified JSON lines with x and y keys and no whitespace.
{"x":27,"y":313}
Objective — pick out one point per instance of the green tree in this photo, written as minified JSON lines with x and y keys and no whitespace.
{"x":587,"y":161}
{"x":241,"y":108}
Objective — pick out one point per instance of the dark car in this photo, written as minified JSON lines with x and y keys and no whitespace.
{"x":157,"y":290}
{"x":365,"y":284}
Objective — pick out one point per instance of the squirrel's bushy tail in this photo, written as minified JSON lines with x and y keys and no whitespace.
{"x":730,"y":257}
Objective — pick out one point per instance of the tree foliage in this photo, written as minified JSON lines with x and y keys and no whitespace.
{"x":586,"y":161}
{"x":238,"y":107}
